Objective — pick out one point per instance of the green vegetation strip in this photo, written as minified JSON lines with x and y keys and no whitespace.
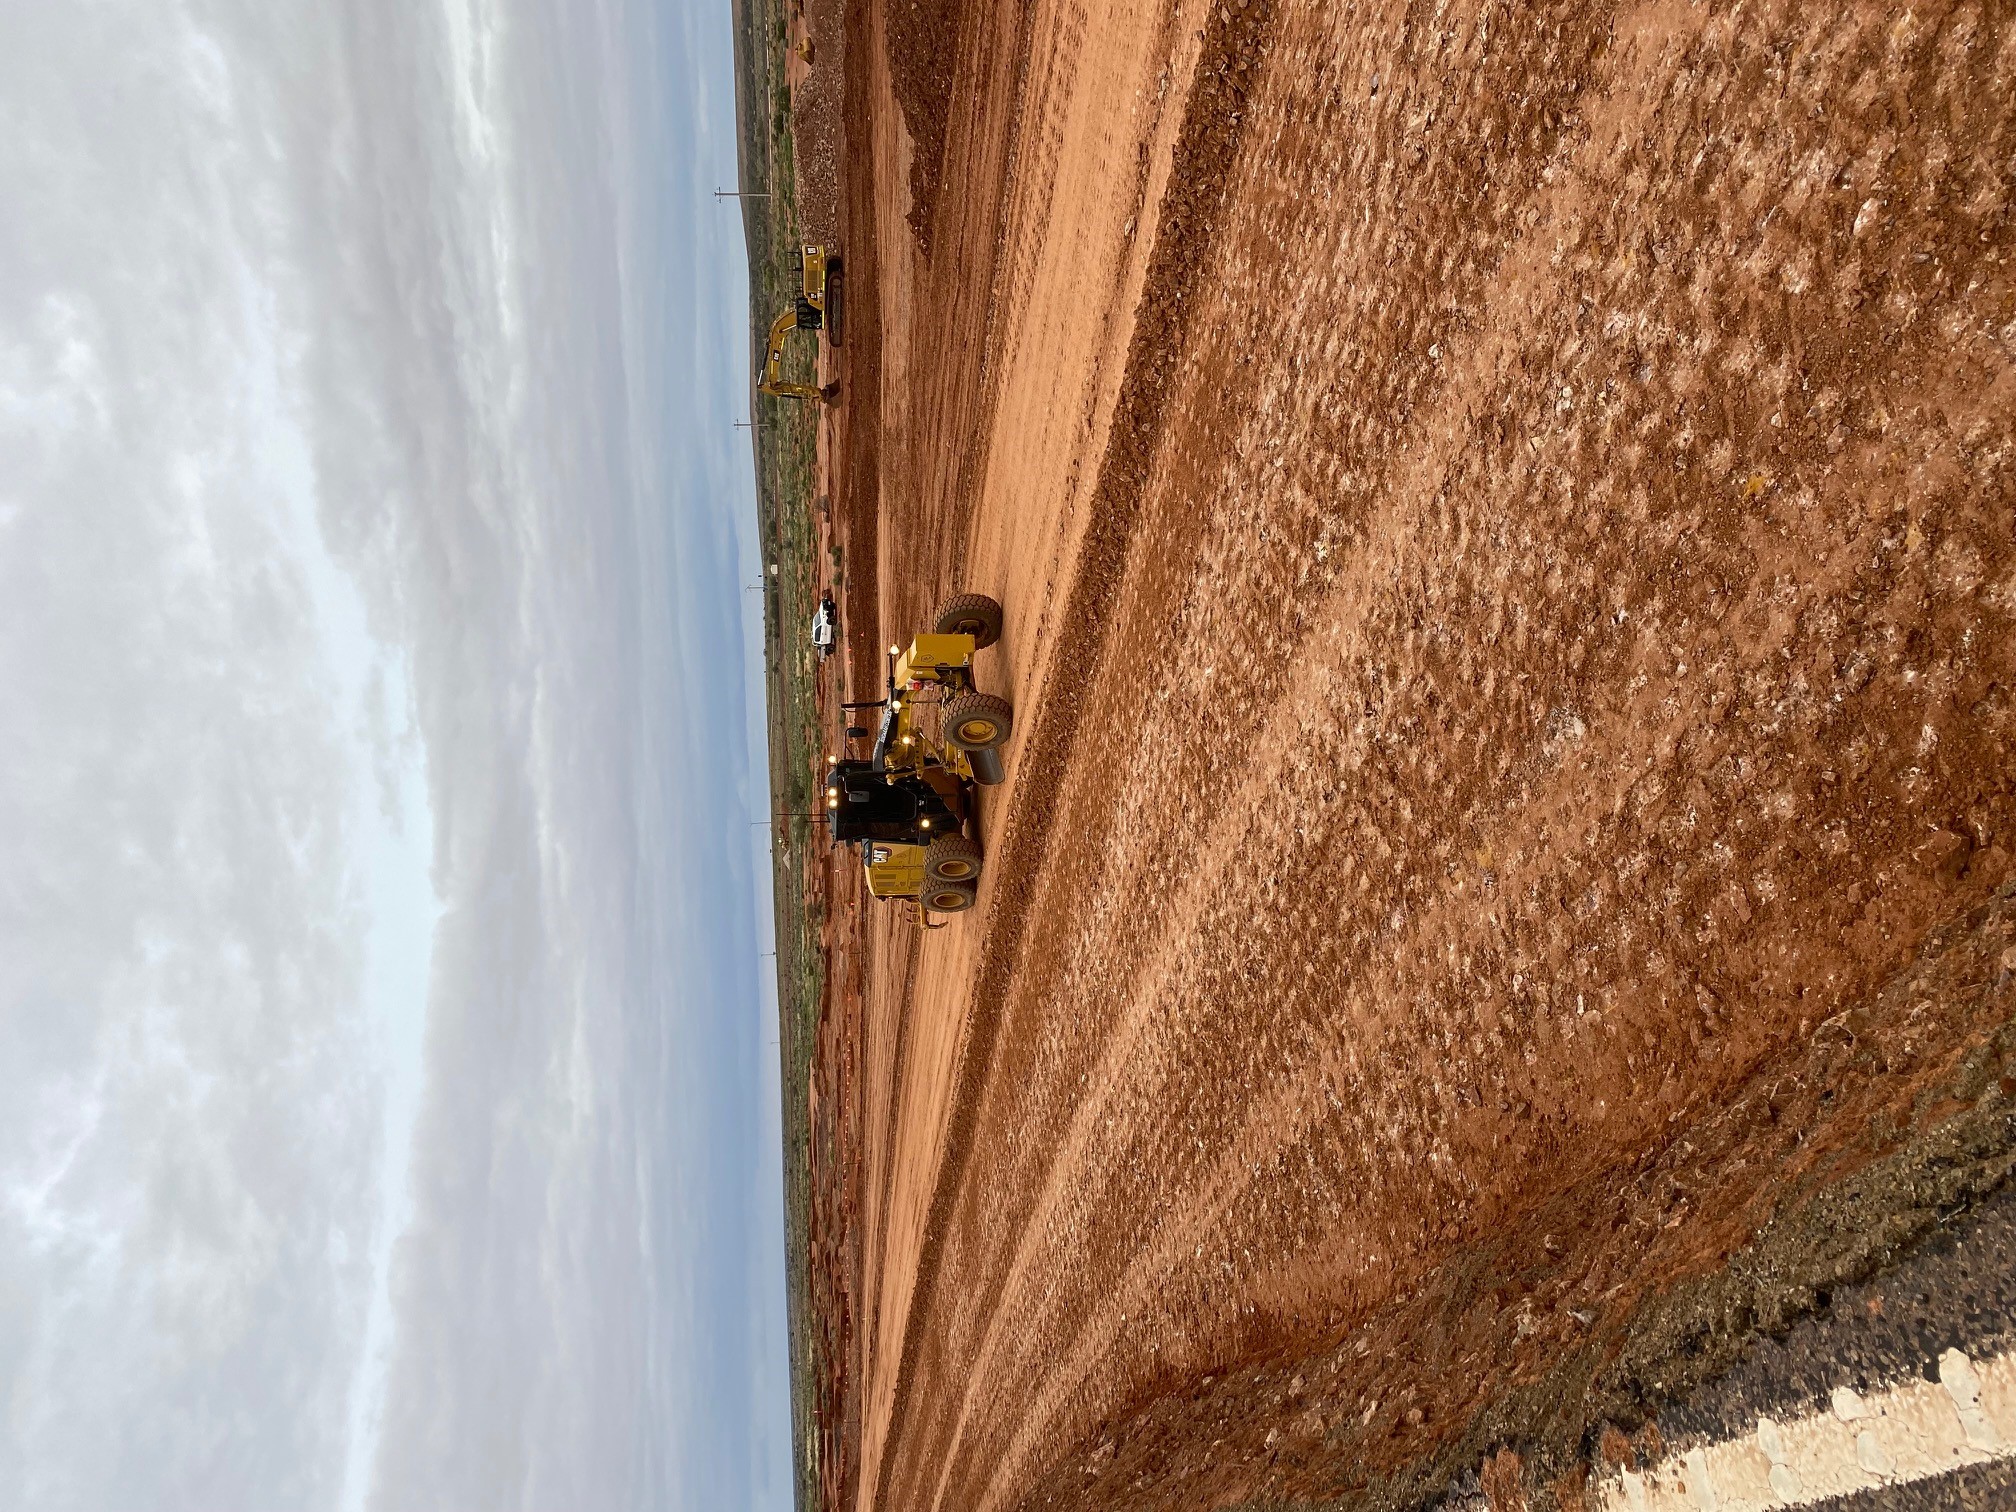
{"x":785,"y":448}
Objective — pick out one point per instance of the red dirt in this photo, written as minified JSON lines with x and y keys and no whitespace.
{"x":921,"y":39}
{"x":1505,"y":517}
{"x":816,"y":83}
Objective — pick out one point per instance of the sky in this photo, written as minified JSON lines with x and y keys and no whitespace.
{"x":388,"y":1094}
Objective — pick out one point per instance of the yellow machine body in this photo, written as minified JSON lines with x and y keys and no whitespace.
{"x":814,"y":283}
{"x":946,"y":660}
{"x":773,"y":382}
{"x":910,"y":802}
{"x":895,"y":871}
{"x":938,"y":659}
{"x":814,"y":277}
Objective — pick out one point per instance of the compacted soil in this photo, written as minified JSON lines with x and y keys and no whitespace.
{"x":1505,"y":519}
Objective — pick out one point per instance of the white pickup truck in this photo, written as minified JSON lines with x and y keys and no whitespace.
{"x":825,"y":626}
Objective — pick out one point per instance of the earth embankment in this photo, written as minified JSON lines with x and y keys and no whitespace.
{"x":1505,"y":516}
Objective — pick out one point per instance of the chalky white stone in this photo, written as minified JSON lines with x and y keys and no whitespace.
{"x":1911,"y":1432}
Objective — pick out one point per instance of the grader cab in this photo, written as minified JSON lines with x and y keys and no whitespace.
{"x":817,"y":308}
{"x":910,"y":805}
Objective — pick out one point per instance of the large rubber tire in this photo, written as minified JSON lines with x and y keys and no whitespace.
{"x":836,"y":302}
{"x":947,"y":897}
{"x":972,"y":614}
{"x":952,"y":858}
{"x":978,"y":721}
{"x":809,"y":318}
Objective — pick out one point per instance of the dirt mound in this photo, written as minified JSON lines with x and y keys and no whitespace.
{"x":923,"y":42}
{"x":817,"y":89}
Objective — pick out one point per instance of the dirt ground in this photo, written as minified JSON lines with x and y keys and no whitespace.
{"x":1505,"y":518}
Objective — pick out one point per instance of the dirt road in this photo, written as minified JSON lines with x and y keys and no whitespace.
{"x":1505,"y":516}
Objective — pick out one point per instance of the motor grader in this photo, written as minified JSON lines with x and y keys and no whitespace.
{"x":911,"y":804}
{"x":817,"y":308}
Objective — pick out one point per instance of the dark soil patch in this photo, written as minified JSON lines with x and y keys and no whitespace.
{"x":923,"y":38}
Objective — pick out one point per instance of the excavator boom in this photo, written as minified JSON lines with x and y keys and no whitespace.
{"x":808,"y":313}
{"x":773,"y":363}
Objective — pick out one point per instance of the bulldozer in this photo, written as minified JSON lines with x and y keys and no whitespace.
{"x":815,"y":309}
{"x":911,"y":804}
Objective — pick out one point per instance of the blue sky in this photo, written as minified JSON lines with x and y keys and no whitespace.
{"x":388,"y":1100}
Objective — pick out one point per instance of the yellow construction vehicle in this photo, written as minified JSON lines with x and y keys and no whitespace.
{"x":816,"y":309}
{"x":911,"y":804}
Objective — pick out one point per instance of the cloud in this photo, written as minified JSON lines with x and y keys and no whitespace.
{"x":187,"y":1127}
{"x":352,"y":349}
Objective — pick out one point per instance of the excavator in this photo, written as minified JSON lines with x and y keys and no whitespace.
{"x":911,"y":806}
{"x":816,"y":309}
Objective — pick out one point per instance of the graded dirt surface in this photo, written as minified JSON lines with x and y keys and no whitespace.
{"x":1503,"y":888}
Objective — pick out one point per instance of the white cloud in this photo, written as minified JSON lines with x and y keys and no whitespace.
{"x":360,"y":391}
{"x":188,"y":1121}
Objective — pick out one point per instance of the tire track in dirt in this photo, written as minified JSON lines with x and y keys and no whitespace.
{"x":1206,"y":147}
{"x":944,"y":407}
{"x":858,"y":506}
{"x":892,"y":1110}
{"x":1595,"y":768}
{"x":1177,"y":924}
{"x":1158,"y":143}
{"x":1119,"y":281}
{"x":953,"y":408}
{"x":1000,"y":173}
{"x":1055,"y":96}
{"x":1284,"y":1120}
{"x":1111,"y":901}
{"x":1812,"y":1116}
{"x":1179,"y":921}
{"x":1557,"y":819}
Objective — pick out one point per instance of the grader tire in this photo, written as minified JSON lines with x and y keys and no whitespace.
{"x":952,"y":858}
{"x":947,"y":897}
{"x":972,"y":614}
{"x":978,"y":721}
